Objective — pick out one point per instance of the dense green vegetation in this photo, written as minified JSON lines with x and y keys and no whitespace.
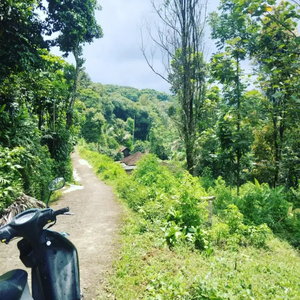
{"x":116,"y":116}
{"x":39,"y":124}
{"x":221,"y":133}
{"x":169,"y":251}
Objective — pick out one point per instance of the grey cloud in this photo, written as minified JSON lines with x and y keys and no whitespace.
{"x":117,"y":58}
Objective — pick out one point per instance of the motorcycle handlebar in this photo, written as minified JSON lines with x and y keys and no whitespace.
{"x":61,"y":211}
{"x":29,"y":224}
{"x":7,"y":233}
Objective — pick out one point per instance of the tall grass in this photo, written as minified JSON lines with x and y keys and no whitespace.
{"x":168,"y":252}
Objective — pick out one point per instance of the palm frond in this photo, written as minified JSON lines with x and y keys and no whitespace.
{"x":23,"y":203}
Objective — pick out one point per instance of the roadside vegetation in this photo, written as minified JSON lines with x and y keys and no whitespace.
{"x":39,"y":120}
{"x":170,"y":252}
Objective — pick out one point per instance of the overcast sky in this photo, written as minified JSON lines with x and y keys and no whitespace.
{"x":116,"y":58}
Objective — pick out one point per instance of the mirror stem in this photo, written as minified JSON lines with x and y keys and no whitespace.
{"x":49,"y":199}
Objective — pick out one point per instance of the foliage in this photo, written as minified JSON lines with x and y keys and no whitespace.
{"x":122,"y":116}
{"x":36,"y":87}
{"x":21,"y":37}
{"x":229,"y":265}
{"x":259,"y":204}
{"x":179,"y":37}
{"x":22,"y":171}
{"x":103,"y":165}
{"x":10,"y":183}
{"x":233,"y":33}
{"x":76,"y":25}
{"x":140,"y":146}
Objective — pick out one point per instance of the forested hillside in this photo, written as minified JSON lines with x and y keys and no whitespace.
{"x":123,"y":116}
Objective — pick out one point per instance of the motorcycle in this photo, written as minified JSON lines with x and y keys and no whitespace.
{"x":53,"y":259}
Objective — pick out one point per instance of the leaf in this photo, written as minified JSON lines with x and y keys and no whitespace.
{"x":256,"y":182}
{"x":18,"y":166}
{"x":268,"y":8}
{"x":295,"y":98}
{"x":2,"y":108}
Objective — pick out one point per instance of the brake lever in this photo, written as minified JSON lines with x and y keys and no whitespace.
{"x":68,"y":214}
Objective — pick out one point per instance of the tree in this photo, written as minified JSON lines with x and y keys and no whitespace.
{"x":76,"y":23}
{"x":180,"y":38}
{"x":20,"y":38}
{"x":233,"y":30}
{"x":277,"y":57}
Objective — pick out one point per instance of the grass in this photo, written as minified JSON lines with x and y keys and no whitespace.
{"x":56,"y":195}
{"x":148,"y":269}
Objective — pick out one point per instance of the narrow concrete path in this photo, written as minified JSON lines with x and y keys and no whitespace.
{"x":93,"y":229}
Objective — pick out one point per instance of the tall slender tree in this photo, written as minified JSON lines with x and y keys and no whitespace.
{"x":76,"y":23}
{"x":180,"y":37}
{"x":232,"y":30}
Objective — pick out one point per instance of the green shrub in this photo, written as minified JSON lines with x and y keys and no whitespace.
{"x":205,"y":291}
{"x":224,"y":195}
{"x":103,"y":165}
{"x":233,"y":218}
{"x":188,"y":214}
{"x":200,"y":238}
{"x":262,"y":204}
{"x":220,"y":234}
{"x":173,"y":234}
{"x":167,"y":208}
{"x":235,"y":232}
{"x":24,"y":170}
{"x":257,"y":235}
{"x":10,"y":177}
{"x":141,"y":146}
{"x":206,"y":179}
{"x":133,"y":193}
{"x":64,"y":169}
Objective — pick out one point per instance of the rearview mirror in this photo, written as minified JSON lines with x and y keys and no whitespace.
{"x":56,"y":184}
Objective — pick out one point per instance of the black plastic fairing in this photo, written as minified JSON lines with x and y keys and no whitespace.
{"x":12,"y":284}
{"x":57,"y":269}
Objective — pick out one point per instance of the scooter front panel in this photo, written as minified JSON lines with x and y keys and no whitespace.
{"x":57,"y":270}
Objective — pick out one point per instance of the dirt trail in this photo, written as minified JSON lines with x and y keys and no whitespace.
{"x":93,"y":228}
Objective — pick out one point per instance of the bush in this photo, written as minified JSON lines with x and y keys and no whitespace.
{"x":233,"y":218}
{"x":141,"y":146}
{"x":262,"y":204}
{"x":257,"y":235}
{"x":224,"y":195}
{"x":103,"y":165}
{"x":162,"y":200}
{"x":234,"y":232}
{"x":24,"y":170}
{"x":220,"y":234}
{"x":64,"y":169}
{"x":10,"y":177}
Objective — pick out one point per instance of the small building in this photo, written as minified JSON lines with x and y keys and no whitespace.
{"x":132,"y":159}
{"x":125,"y":151}
{"x":129,"y":162}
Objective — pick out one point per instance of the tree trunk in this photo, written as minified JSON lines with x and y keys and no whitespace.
{"x":78,"y":64}
{"x":189,"y":147}
{"x":239,"y":154}
{"x":276,"y":147}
